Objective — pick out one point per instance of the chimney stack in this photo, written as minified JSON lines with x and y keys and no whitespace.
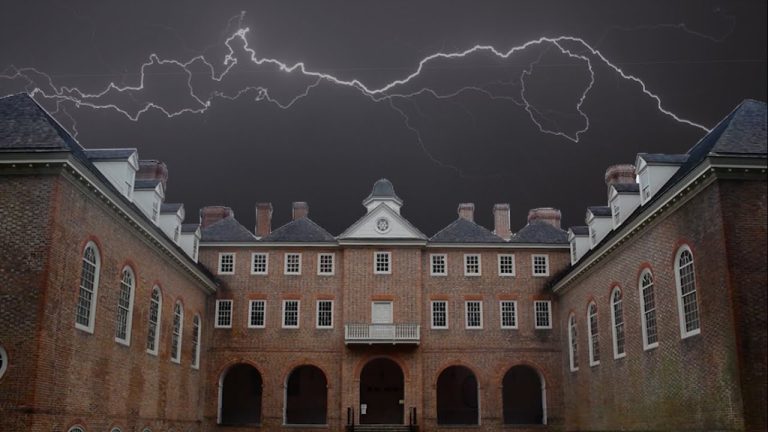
{"x":501,"y":225}
{"x":153,"y":170}
{"x":619,"y":174}
{"x":212,"y":214}
{"x":300,"y":210}
{"x":467,"y":211}
{"x":263,"y":219}
{"x":545,"y":214}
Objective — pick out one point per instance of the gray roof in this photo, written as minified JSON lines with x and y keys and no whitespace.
{"x":110,"y":154}
{"x":145,"y":184}
{"x":600,"y":211}
{"x":627,"y":188}
{"x":580,"y":230}
{"x":171,"y":207}
{"x":464,"y":231}
{"x":663,"y":159}
{"x":189,"y":227}
{"x":383,"y":189}
{"x":302,"y":230}
{"x":25,"y":126}
{"x":226,"y":230}
{"x":540,"y":232}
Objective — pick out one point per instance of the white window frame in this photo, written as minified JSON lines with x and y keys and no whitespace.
{"x":549,"y":315}
{"x":216,"y":320}
{"x":592,"y":338}
{"x":479,"y":265}
{"x":298,"y":314}
{"x":5,"y":361}
{"x":533,"y":265}
{"x":76,"y":428}
{"x":156,"y":339}
{"x":644,"y":325}
{"x":616,"y":354}
{"x":196,"y":340}
{"x":320,"y":260}
{"x":515,"y":325}
{"x":514,"y":266}
{"x":129,"y":314}
{"x":432,"y":264}
{"x":94,"y":293}
{"x":375,"y":262}
{"x":573,"y":353}
{"x":466,"y":314}
{"x":285,"y":264}
{"x":266,"y":263}
{"x":684,"y":333}
{"x":317,"y":314}
{"x":178,"y":310}
{"x":221,"y":256}
{"x":432,"y":314}
{"x":251,"y":313}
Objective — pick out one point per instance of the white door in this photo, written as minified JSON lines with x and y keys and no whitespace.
{"x":381,"y":312}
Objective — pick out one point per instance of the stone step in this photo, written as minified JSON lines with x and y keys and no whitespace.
{"x":381,"y":428}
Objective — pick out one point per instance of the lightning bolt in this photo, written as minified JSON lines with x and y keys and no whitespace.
{"x":42,"y":86}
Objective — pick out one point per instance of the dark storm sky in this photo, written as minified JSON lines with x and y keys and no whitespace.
{"x":700,"y":57}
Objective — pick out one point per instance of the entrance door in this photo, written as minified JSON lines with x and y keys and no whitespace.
{"x":381,"y":391}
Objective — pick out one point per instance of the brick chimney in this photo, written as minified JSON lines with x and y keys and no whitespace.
{"x":619,"y":174}
{"x":545,"y":214}
{"x":467,"y":211}
{"x":153,"y":170}
{"x":300,"y":210}
{"x":501,"y":225}
{"x":212,"y":214}
{"x":263,"y":219}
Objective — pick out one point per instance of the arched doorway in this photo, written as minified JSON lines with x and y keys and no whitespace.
{"x":381,"y":392}
{"x":457,"y":397}
{"x":240,"y":396}
{"x":523,"y":396}
{"x":306,"y":396}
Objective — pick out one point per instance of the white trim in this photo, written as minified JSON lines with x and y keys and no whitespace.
{"x":196,"y":352}
{"x":432,"y":315}
{"x":317,"y":314}
{"x":298,"y":314}
{"x":533,"y":265}
{"x":129,"y":316}
{"x":591,"y":339}
{"x":222,"y":255}
{"x":156,"y":339}
{"x":177,"y":358}
{"x":616,"y":354}
{"x":549,"y":315}
{"x":94,"y":295}
{"x":495,"y":246}
{"x":266,"y":263}
{"x":249,"y":315}
{"x":643,"y":323}
{"x":515,"y":326}
{"x":466,"y":315}
{"x":479,"y":265}
{"x":76,"y":428}
{"x":389,"y":262}
{"x":218,"y":311}
{"x":572,"y":355}
{"x":5,"y":361}
{"x":333,"y":264}
{"x":514,"y":264}
{"x":431,"y":264}
{"x":285,"y":264}
{"x":679,"y":290}
{"x":257,"y":244}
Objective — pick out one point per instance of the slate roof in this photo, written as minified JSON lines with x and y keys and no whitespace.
{"x":627,"y":188}
{"x":189,"y":227}
{"x":661,"y":158}
{"x":145,"y":184}
{"x":170,"y":207}
{"x":580,"y":230}
{"x":110,"y":154}
{"x":600,"y":211}
{"x":464,"y":231}
{"x":225,"y":231}
{"x":302,"y":230}
{"x":540,"y":232}
{"x":383,"y":188}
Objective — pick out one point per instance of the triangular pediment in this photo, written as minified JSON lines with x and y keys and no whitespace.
{"x":382,"y":223}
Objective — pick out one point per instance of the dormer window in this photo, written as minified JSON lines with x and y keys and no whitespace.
{"x":616,"y":213}
{"x":645,"y":185}
{"x":176,"y":234}
{"x":155,"y":210}
{"x":574,"y":255}
{"x":593,"y":235}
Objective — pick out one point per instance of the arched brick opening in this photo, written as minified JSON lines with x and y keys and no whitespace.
{"x":240,"y":396}
{"x":382,"y":392}
{"x":306,"y":396}
{"x":523,"y":396}
{"x":457,"y":397}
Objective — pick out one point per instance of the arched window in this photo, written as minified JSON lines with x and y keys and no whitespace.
{"x":688,"y":307}
{"x":176,"y":332}
{"x":648,"y":310}
{"x":240,"y":389}
{"x":89,"y":287}
{"x":196,"y":342}
{"x":573,"y":343}
{"x":76,"y":428}
{"x":155,"y":308}
{"x":457,"y":397}
{"x":523,"y":396}
{"x":592,"y":331}
{"x":125,"y":307}
{"x":3,"y":361}
{"x":306,"y":396}
{"x":617,"y":323}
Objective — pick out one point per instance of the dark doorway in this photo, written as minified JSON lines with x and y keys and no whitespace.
{"x":306,"y":396}
{"x":241,"y":396}
{"x":381,"y":390}
{"x":522,"y":396}
{"x":457,"y":402}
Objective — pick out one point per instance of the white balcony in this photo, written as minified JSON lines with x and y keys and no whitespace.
{"x":382,"y":334}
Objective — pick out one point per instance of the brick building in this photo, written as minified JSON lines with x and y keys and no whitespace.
{"x":115,"y":315}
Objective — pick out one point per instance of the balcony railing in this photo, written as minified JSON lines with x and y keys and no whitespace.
{"x":381,"y":333}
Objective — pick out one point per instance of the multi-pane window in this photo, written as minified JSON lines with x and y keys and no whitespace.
{"x":471,"y":265}
{"x":617,"y":316}
{"x":292,"y":264}
{"x":594,"y":343}
{"x":645,"y":182}
{"x":325,"y":264}
{"x":593,"y":235}
{"x":155,"y":210}
{"x":223,"y":314}
{"x":439,"y":314}
{"x":259,"y":263}
{"x":474,"y":314}
{"x":325,"y":314}
{"x":506,"y":265}
{"x":124,"y":307}
{"x":542,"y":314}
{"x":648,"y":310}
{"x":540,"y":264}
{"x":574,"y":256}
{"x":508,"y":314}
{"x":438,"y":265}
{"x":89,"y":286}
{"x":196,"y":342}
{"x":616,"y":214}
{"x":155,"y":303}
{"x":382,"y":263}
{"x":257,"y":310}
{"x":290,"y":314}
{"x":178,"y":321}
{"x":573,"y":343}
{"x":226,"y":263}
{"x":195,"y":247}
{"x":688,"y":307}
{"x":176,"y":234}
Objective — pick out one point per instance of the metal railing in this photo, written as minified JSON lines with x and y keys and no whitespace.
{"x":382,"y":333}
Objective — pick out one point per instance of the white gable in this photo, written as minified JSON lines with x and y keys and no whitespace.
{"x":382,"y":223}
